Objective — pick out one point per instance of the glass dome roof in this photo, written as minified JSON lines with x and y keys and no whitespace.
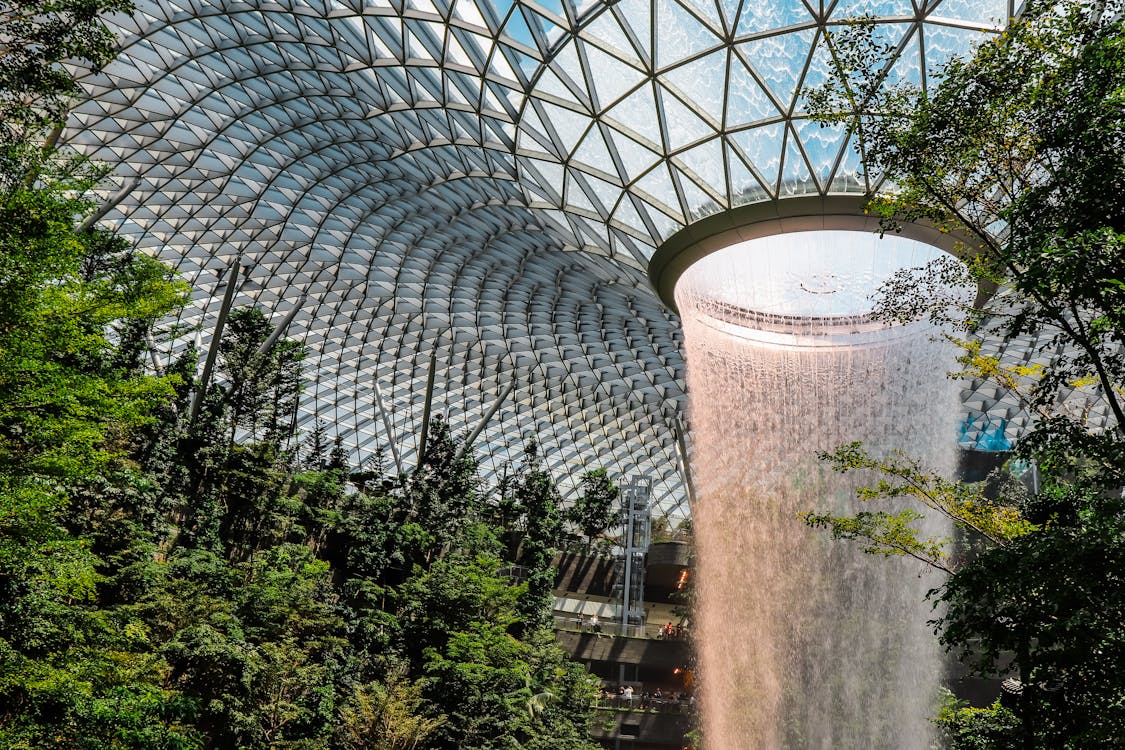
{"x":475,"y":183}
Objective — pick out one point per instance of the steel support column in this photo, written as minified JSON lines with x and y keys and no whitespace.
{"x":424,"y":437}
{"x":488,"y":415}
{"x":113,"y":200}
{"x":387,"y":427}
{"x":213,"y":349}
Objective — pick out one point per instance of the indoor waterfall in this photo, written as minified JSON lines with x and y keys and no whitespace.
{"x":805,"y":642}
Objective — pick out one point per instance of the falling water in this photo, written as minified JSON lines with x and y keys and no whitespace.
{"x":804,"y":642}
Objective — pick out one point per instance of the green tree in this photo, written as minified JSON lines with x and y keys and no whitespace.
{"x":172,"y":584}
{"x":462,"y":622}
{"x":1020,"y":149}
{"x":537,"y":499}
{"x":262,"y":386}
{"x":442,"y":494}
{"x":36,"y":88}
{"x":1025,"y":135}
{"x":78,"y":667}
{"x":387,"y":715}
{"x":966,"y":728}
{"x":597,"y":508}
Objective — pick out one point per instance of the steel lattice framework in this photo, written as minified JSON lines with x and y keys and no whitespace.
{"x":474,"y":188}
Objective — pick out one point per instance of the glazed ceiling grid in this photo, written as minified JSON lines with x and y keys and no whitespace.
{"x":478,"y":182}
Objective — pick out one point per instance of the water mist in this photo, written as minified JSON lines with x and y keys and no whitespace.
{"x":805,"y":642}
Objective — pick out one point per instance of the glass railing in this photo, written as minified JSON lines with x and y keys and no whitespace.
{"x":653,"y":631}
{"x":678,"y":703}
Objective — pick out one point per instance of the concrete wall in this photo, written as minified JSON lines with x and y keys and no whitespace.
{"x":644,"y":727}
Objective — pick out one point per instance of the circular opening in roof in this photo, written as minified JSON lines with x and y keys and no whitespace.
{"x":812,"y":287}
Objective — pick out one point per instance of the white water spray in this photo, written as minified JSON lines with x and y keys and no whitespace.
{"x":804,"y":642}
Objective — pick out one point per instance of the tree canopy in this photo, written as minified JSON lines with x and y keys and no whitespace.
{"x":175,"y":581}
{"x":1020,"y":149}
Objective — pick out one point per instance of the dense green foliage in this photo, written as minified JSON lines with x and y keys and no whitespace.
{"x":169,"y":583}
{"x":964,"y":728}
{"x":38,"y":35}
{"x":1020,"y":151}
{"x":597,"y":508}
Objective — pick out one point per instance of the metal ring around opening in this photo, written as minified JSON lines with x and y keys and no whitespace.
{"x":788,"y":215}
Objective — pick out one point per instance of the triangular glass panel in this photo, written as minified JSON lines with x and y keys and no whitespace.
{"x":706,"y":10}
{"x":891,"y":34}
{"x":381,"y":49}
{"x":569,"y":67}
{"x":877,"y":8}
{"x":819,"y":71}
{"x":549,"y":29}
{"x":641,"y":252}
{"x":425,"y":39}
{"x":528,"y":65}
{"x":576,"y":196}
{"x":679,"y":34}
{"x":437,"y":124}
{"x":637,"y":112}
{"x":747,"y":103}
{"x":822,"y":144}
{"x":494,"y":98}
{"x":569,"y":126}
{"x":415,"y":50}
{"x":762,"y":148}
{"x":627,"y":215}
{"x":698,"y":202}
{"x":985,"y":12}
{"x":907,"y":69}
{"x":500,"y":132}
{"x":610,"y":77}
{"x":477,"y":43}
{"x":608,"y":32}
{"x":551,"y":6}
{"x":848,"y":177}
{"x":758,"y":17}
{"x":427,"y":87}
{"x":636,"y":16}
{"x":744,"y":186}
{"x":683,"y":125}
{"x":394,"y":95}
{"x":942,"y":43}
{"x":536,"y":134}
{"x":705,"y":162}
{"x":551,"y":84}
{"x":595,"y":231}
{"x":634,"y":157}
{"x":351,"y":31}
{"x":703,"y":81}
{"x":664,"y":225}
{"x":516,"y":28}
{"x":455,"y":95}
{"x":500,"y":66}
{"x":795,"y":176}
{"x":426,"y":6}
{"x":593,"y":153}
{"x":499,"y":8}
{"x":658,"y":185}
{"x":607,"y":193}
{"x":780,"y":60}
